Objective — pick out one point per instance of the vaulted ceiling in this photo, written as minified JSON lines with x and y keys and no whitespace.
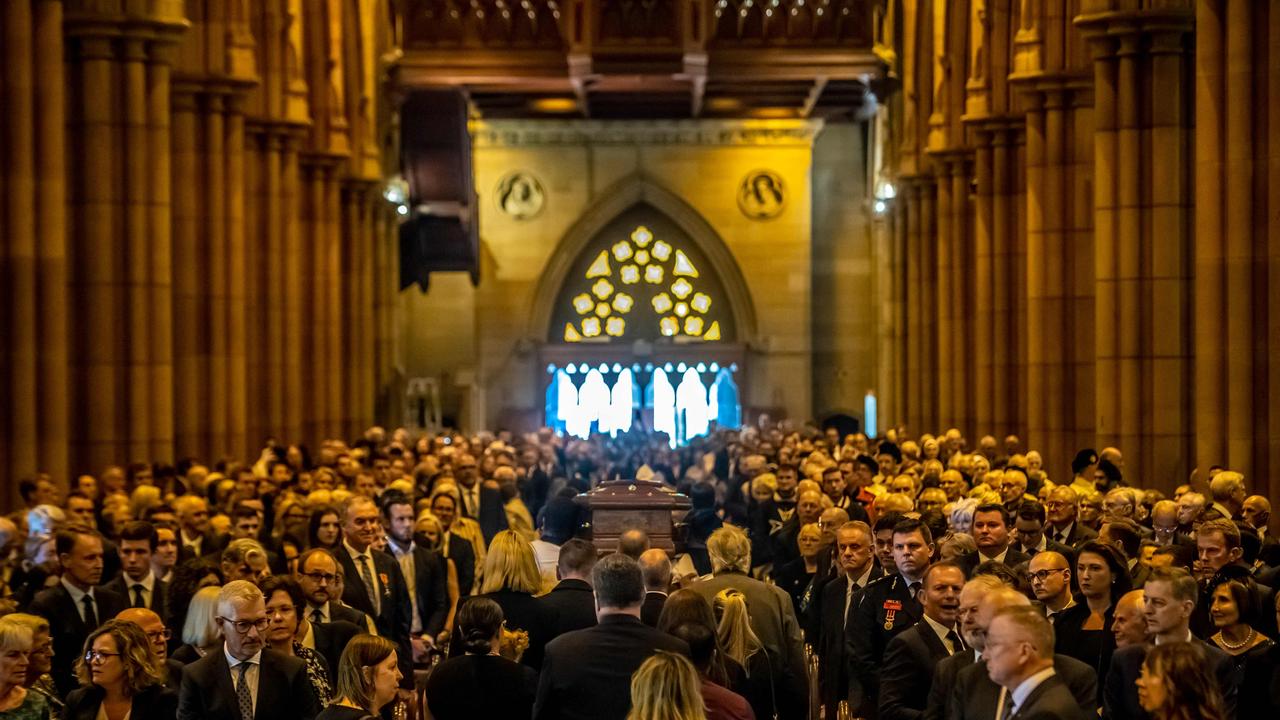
{"x":624,"y":59}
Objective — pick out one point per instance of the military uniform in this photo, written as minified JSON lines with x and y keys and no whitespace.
{"x":884,"y":608}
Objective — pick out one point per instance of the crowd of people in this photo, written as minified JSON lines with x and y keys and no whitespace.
{"x":815,"y":575}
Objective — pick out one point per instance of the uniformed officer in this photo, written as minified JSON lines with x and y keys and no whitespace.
{"x":885,"y":608}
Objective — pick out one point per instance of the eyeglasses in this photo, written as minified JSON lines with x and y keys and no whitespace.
{"x":160,"y":635}
{"x":320,"y":577}
{"x":1043,"y":575}
{"x":244,"y":626}
{"x":95,"y":656}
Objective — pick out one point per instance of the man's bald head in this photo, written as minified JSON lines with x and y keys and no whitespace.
{"x":1257,"y":511}
{"x":633,"y":542}
{"x":151,"y":624}
{"x":996,"y":600}
{"x":655,"y":566}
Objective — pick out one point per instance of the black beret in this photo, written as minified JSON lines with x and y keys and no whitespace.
{"x":1083,"y":459}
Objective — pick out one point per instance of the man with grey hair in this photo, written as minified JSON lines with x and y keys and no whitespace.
{"x":247,"y":680}
{"x":586,"y":674}
{"x":655,"y":567}
{"x":1227,"y":490}
{"x":1019,"y":655}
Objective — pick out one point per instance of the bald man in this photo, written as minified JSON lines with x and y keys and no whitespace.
{"x":1130,"y":623}
{"x":975,"y":696}
{"x":655,"y":568}
{"x":158,"y":634}
{"x":1257,"y":513}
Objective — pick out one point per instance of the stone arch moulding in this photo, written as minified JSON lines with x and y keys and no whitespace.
{"x":615,"y":200}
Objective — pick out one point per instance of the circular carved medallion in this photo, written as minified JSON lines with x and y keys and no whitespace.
{"x":520,"y":195}
{"x":762,"y":195}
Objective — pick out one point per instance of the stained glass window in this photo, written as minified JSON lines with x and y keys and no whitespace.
{"x":641,"y":279}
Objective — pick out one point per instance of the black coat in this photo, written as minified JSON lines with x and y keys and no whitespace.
{"x":969,"y":561}
{"x":574,"y":603}
{"x":905,"y":679}
{"x":69,"y":630}
{"x":492,"y":513}
{"x":946,"y":671}
{"x":1260,"y":685}
{"x":463,"y":556}
{"x":1051,"y":700}
{"x":975,"y":696}
{"x":1079,"y":534}
{"x":154,"y":703}
{"x":886,"y":601}
{"x":1120,"y":699}
{"x":331,"y":639}
{"x":395,"y":610}
{"x":522,"y":611}
{"x":472,"y":687}
{"x":159,"y":593}
{"x":431,"y":580}
{"x":586,"y":674}
{"x":284,"y":690}
{"x":651,"y":610}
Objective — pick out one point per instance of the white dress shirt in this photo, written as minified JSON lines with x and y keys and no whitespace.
{"x":250,"y":676}
{"x":77,"y":597}
{"x":148,"y":584}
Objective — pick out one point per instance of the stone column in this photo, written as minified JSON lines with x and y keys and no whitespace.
{"x":928,"y":289}
{"x":238,"y":442}
{"x":943,"y":309}
{"x":293,"y":281}
{"x":190,"y":412}
{"x":215,"y":259}
{"x":911,"y":195}
{"x":983,"y":347}
{"x":160,"y":251}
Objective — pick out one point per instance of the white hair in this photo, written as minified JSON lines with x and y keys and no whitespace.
{"x":237,"y":592}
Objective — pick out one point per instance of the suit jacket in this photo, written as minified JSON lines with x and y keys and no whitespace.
{"x":1049,"y":544}
{"x":938,"y":706}
{"x":574,"y":603}
{"x":1120,"y":697}
{"x":331,"y":639}
{"x":521,"y":611}
{"x":975,"y":696}
{"x":833,"y":623}
{"x":212,"y":544}
{"x":1079,"y":534}
{"x":159,"y":593}
{"x":394,"y":616}
{"x":69,"y":630}
{"x":907,"y":673}
{"x":586,"y":674}
{"x":1012,"y":558}
{"x":431,"y":581}
{"x":651,"y":610}
{"x":1051,"y":700}
{"x":284,"y":691}
{"x":492,"y":513}
{"x":463,"y":556}
{"x":154,"y":703}
{"x":885,"y":608}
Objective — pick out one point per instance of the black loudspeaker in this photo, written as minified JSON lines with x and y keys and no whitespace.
{"x":442,"y":231}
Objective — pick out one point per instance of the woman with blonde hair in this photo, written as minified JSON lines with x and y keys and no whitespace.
{"x":120,"y":677}
{"x":368,"y":678}
{"x":666,"y":687}
{"x":40,"y":659}
{"x":511,"y":579}
{"x":201,"y":633}
{"x":16,"y":702}
{"x":743,"y":646}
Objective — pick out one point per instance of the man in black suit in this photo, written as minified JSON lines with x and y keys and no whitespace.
{"x":195,"y":539}
{"x":329,"y":639}
{"x":586,"y":674}
{"x":246,"y":679}
{"x":318,"y":575}
{"x":1029,"y":536}
{"x":1062,"y":527}
{"x":572,"y":599}
{"x":74,"y":607}
{"x":856,"y":571}
{"x":138,"y":584}
{"x":480,"y":501}
{"x":1170,"y":598}
{"x":991,"y":532}
{"x":972,"y":595}
{"x":886,"y":608}
{"x":372,"y":580}
{"x":911,"y":657}
{"x":1019,"y":656}
{"x":424,"y":570}
{"x":655,"y":567}
{"x":1164,"y":526}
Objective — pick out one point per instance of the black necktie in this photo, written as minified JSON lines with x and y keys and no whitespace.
{"x":957,"y":644}
{"x":317,"y":616}
{"x":914,"y":589}
{"x":138,"y":600}
{"x":90,"y":617}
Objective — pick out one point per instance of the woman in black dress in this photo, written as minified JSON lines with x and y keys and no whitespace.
{"x":368,"y":677}
{"x":481,"y":683}
{"x":1083,"y":631}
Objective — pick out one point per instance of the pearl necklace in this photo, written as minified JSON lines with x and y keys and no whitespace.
{"x":1247,"y":639}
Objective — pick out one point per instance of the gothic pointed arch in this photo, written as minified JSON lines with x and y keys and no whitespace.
{"x":633,"y":216}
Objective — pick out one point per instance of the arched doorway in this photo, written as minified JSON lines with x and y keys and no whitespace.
{"x":643,"y":333}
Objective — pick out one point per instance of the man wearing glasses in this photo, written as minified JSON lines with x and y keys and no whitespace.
{"x":1050,"y":575}
{"x":159,"y":635}
{"x":246,"y":681}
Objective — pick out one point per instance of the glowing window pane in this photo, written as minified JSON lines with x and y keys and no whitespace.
{"x":693,"y":326}
{"x":602,"y":288}
{"x":603,"y":310}
{"x":591,"y":327}
{"x":642,"y":257}
{"x":661,"y":250}
{"x":622,"y":302}
{"x":682,"y":309}
{"x":664,"y":405}
{"x":622,"y":250}
{"x":653,"y":274}
{"x":571,"y":333}
{"x":630,"y":274}
{"x":615,"y":326}
{"x":600,"y":266}
{"x":669,"y":326}
{"x":661,"y":303}
{"x":642,"y":236}
{"x":691,"y":406}
{"x":583,"y":304}
{"x":681,"y":288}
{"x":713,"y":332}
{"x":700,"y":302}
{"x":684,"y":266}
